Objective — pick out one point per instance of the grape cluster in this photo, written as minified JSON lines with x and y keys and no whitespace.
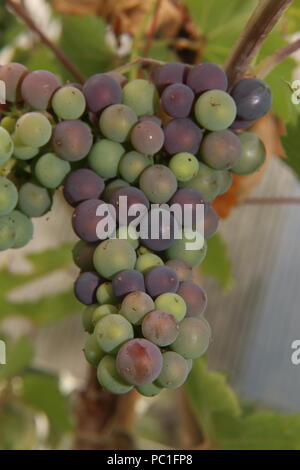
{"x":172,"y":139}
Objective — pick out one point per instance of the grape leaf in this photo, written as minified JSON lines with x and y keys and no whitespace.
{"x":217,"y":263}
{"x":19,"y":354}
{"x":290,"y":143}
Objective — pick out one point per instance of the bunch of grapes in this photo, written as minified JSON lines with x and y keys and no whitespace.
{"x":173,"y":139}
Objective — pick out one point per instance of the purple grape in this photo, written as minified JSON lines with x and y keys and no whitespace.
{"x":118,"y":77}
{"x":126,"y":282}
{"x":211,"y":222}
{"x":189,"y":200}
{"x":159,"y":183}
{"x":100,"y":91}
{"x":160,"y":327}
{"x":183,"y":270}
{"x":182,"y":135}
{"x":240,"y":124}
{"x":207,"y":76}
{"x":85,"y":287}
{"x":147,"y":137}
{"x":177,"y":100}
{"x":221,"y":150}
{"x":12,"y":75}
{"x":149,"y":117}
{"x":134,"y":196}
{"x":72,"y":140}
{"x":194,"y":297}
{"x":160,"y":228}
{"x":85,"y":220}
{"x":253,"y":98}
{"x":38,"y":87}
{"x":82,"y":184}
{"x":168,"y":74}
{"x":161,"y":279}
{"x":83,"y":255}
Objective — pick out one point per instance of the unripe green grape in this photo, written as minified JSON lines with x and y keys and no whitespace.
{"x":174,"y":370}
{"x":135,"y":306}
{"x":172,"y":303}
{"x":112,"y":331}
{"x":143,"y":250}
{"x":141,"y":96}
{"x":113,"y":186}
{"x":129,"y":234}
{"x":6,"y":145}
{"x":92,"y":351}
{"x":147,"y":261}
{"x":8,"y":196}
{"x":23,"y":227}
{"x":105,"y":294}
{"x":22,"y":151}
{"x":207,"y":182}
{"x":225,"y":181}
{"x":8,"y":123}
{"x":132,"y":164}
{"x":179,"y":251}
{"x":100,"y":312}
{"x":184,"y":165}
{"x":51,"y":170}
{"x":149,"y":390}
{"x":116,"y":122}
{"x":253,"y":154}
{"x":104,"y":158}
{"x":68,"y":103}
{"x":215,"y":110}
{"x":113,"y":256}
{"x":34,"y":200}
{"x":7,"y":232}
{"x":87,"y":318}
{"x":193,"y":338}
{"x":34,"y":129}
{"x":109,"y":378}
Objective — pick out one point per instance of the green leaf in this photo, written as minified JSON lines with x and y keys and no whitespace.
{"x":290,"y":143}
{"x":18,"y":429}
{"x":18,"y":356}
{"x":217,"y":263}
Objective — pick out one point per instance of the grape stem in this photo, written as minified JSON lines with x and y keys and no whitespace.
{"x":272,"y":200}
{"x":143,"y":62}
{"x":270,"y":62}
{"x":152,"y":28}
{"x":20,"y":11}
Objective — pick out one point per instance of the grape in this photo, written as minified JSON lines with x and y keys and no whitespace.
{"x":8,"y":196}
{"x":207,"y":76}
{"x":253,"y":98}
{"x":8,"y":123}
{"x":102,"y":311}
{"x":158,"y":229}
{"x":147,"y":261}
{"x":118,"y":77}
{"x":105,"y":294}
{"x":116,"y":122}
{"x":150,"y":117}
{"x":72,"y":140}
{"x":92,"y":351}
{"x":83,"y":255}
{"x":141,"y":96}
{"x":147,"y":137}
{"x":182,"y":135}
{"x":22,"y":151}
{"x":132,"y":165}
{"x":194,"y":297}
{"x":240,"y":124}
{"x":253,"y":154}
{"x":188,"y":200}
{"x":134,"y":197}
{"x":100,"y":91}
{"x":174,"y":370}
{"x":177,"y":100}
{"x":109,"y":378}
{"x":113,"y":256}
{"x":7,"y":232}
{"x":113,"y":186}
{"x":158,"y":183}
{"x":50,"y":170}
{"x":82,"y":184}
{"x":190,"y":364}
{"x":99,"y":161}
{"x":112,"y":331}
{"x":135,"y":306}
{"x":221,"y":150}
{"x":6,"y":146}
{"x":160,"y":327}
{"x":211,"y":222}
{"x":23,"y":227}
{"x":68,"y":103}
{"x":149,"y":390}
{"x":215,"y":110}
{"x":171,"y":303}
{"x":161,"y":279}
{"x":193,"y":339}
{"x":168,"y":74}
{"x":193,"y":257}
{"x":38,"y":87}
{"x":34,"y":200}
{"x":33,"y":129}
{"x":225,"y":181}
{"x":85,"y":220}
{"x":183,"y":271}
{"x":12,"y":75}
{"x":139,"y":361}
{"x":85,"y":287}
{"x":184,"y":166}
{"x":127,"y":281}
{"x":207,"y":182}
{"x":130,"y":234}
{"x":87,"y":316}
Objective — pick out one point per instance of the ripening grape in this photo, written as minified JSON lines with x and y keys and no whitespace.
{"x":8,"y":196}
{"x":253,"y":98}
{"x":225,"y":181}
{"x":85,"y":220}
{"x":127,"y":281}
{"x":99,"y":161}
{"x":113,"y":186}
{"x":253,"y":154}
{"x":109,"y":378}
{"x":82,"y":184}
{"x":6,"y":146}
{"x":239,"y":124}
{"x":7,"y":232}
{"x":182,"y":135}
{"x":129,"y":234}
{"x":182,"y":269}
{"x":221,"y":150}
{"x":193,"y":338}
{"x":193,"y":257}
{"x":117,"y":121}
{"x":211,"y":222}
{"x":132,"y":165}
{"x":185,"y":166}
{"x":195,"y":298}
{"x":23,"y":227}
{"x":105,"y":294}
{"x":168,"y":74}
{"x":113,"y":256}
{"x":177,"y":100}
{"x":174,"y":370}
{"x":72,"y":140}
{"x":112,"y":331}
{"x":150,"y":117}
{"x":135,"y":306}
{"x":158,"y":183}
{"x":158,"y":229}
{"x":139,"y":361}
{"x":206,"y":76}
{"x":12,"y":75}
{"x":172,"y":303}
{"x":147,"y":137}
{"x":121,"y":79}
{"x":134,"y":197}
{"x":22,"y":151}
{"x":87,"y":318}
{"x":100,"y":91}
{"x":215,"y":110}
{"x":83,"y":255}
{"x":50,"y":170}
{"x":85,"y":287}
{"x":92,"y":351}
{"x":147,"y":261}
{"x":141,"y":96}
{"x":207,"y":182}
{"x":161,"y":279}
{"x":102,"y":311}
{"x":8,"y":123}
{"x":189,"y":201}
{"x":149,"y":390}
{"x":33,"y":129}
{"x":68,"y":103}
{"x":160,"y":327}
{"x":38,"y":87}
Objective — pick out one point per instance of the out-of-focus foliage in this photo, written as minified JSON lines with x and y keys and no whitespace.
{"x":290,"y":143}
{"x":217,"y":262}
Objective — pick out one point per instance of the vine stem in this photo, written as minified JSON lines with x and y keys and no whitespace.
{"x":270,"y":62}
{"x":272,"y":200}
{"x":142,"y":62}
{"x":20,"y":11}
{"x":152,"y":29}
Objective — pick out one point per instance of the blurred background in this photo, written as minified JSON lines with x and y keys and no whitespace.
{"x":245,"y":395}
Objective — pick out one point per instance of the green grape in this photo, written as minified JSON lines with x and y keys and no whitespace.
{"x":143,"y":250}
{"x":34,"y":200}
{"x":171,"y":303}
{"x":116,"y":122}
{"x":92,"y":351}
{"x":113,"y":186}
{"x":68,"y":103}
{"x":147,"y":261}
{"x":51,"y":170}
{"x":174,"y":371}
{"x":7,"y":232}
{"x":100,"y":312}
{"x":253,"y":154}
{"x":21,"y":151}
{"x":149,"y":390}
{"x":87,"y":318}
{"x":135,"y":306}
{"x":113,"y":256}
{"x":215,"y":110}
{"x":23,"y":227}
{"x":193,"y":338}
{"x":190,"y":364}
{"x":112,"y":331}
{"x":105,"y":156}
{"x":105,"y":295}
{"x":8,"y":196}
{"x":109,"y":378}
{"x":129,"y":234}
{"x":132,"y":165}
{"x":225,"y":181}
{"x":207,"y":182}
{"x":184,"y":166}
{"x":8,"y":123}
{"x":6,"y":145}
{"x":34,"y":129}
{"x":141,"y":96}
{"x":179,"y":249}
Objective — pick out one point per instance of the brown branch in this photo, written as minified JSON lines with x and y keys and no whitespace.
{"x":152,"y":28}
{"x":262,"y":21}
{"x":270,"y":62}
{"x":20,"y":11}
{"x":142,"y":62}
{"x":272,"y":200}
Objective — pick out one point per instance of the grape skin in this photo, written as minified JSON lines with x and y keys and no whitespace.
{"x":141,"y":96}
{"x":8,"y":196}
{"x":147,"y":137}
{"x":132,"y":165}
{"x":33,"y":129}
{"x":86,"y":318}
{"x":221,"y":150}
{"x":174,"y":370}
{"x":12,"y":75}
{"x":112,"y":331}
{"x":195,"y":298}
{"x":38,"y":87}
{"x":6,"y":146}
{"x":100,"y":91}
{"x":102,"y":311}
{"x":184,"y":166}
{"x":127,"y":281}
{"x":160,"y":327}
{"x":193,"y":338}
{"x":207,"y":76}
{"x":7,"y":232}
{"x":149,"y":390}
{"x":158,"y":183}
{"x":225,"y":181}
{"x":160,"y":280}
{"x":135,"y":306}
{"x":22,"y":151}
{"x":23,"y":227}
{"x":113,"y":256}
{"x":109,"y":378}
{"x":253,"y":154}
{"x":191,"y":257}
{"x":253,"y":98}
{"x":172,"y":303}
{"x":68,"y":103}
{"x":113,"y":186}
{"x":207,"y":182}
{"x":105,"y":294}
{"x":83,"y":184}
{"x":134,"y":196}
{"x":50,"y":170}
{"x":85,"y":219}
{"x":215,"y":110}
{"x":168,"y":74}
{"x":98,"y":161}
{"x":211,"y":222}
{"x":83,"y":255}
{"x":177,"y":100}
{"x":85,"y":287}
{"x":147,"y":261}
{"x":183,"y":271}
{"x":164,"y":228}
{"x":72,"y":140}
{"x":189,"y":199}
{"x":117,"y":121}
{"x":92,"y":351}
{"x":182,"y":135}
